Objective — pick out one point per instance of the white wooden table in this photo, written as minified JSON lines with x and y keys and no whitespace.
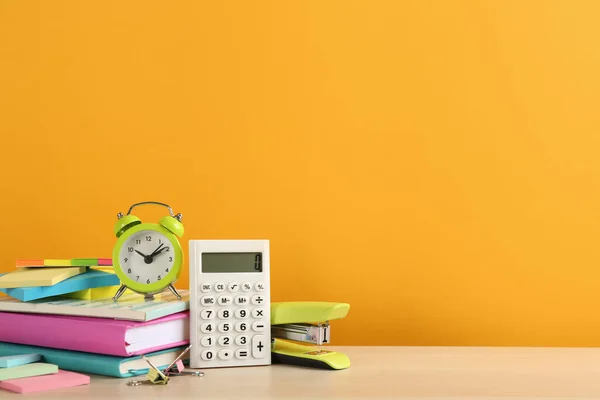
{"x":423,"y":373}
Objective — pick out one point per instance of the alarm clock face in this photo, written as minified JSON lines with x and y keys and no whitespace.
{"x":147,"y":256}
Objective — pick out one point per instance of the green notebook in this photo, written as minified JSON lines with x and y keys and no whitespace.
{"x":25,"y":371}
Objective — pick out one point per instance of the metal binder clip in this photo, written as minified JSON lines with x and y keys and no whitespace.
{"x":178,"y":364}
{"x":138,"y":383}
{"x":191,"y":373}
{"x":175,"y":362}
{"x":156,"y":376}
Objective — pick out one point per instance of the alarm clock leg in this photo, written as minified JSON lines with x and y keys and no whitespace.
{"x":174,"y":291}
{"x":119,"y":292}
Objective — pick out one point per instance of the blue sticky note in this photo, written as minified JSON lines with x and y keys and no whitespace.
{"x":88,"y":280}
{"x":22,"y":359}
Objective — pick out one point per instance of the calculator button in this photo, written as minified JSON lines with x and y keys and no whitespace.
{"x":207,"y":355}
{"x":242,"y":340}
{"x":207,"y":341}
{"x":206,"y":287}
{"x":219,"y":287}
{"x":241,"y":299}
{"x":259,"y":344}
{"x":225,"y":300}
{"x":225,"y":354}
{"x":241,"y":313}
{"x":207,"y":327}
{"x":224,"y":327}
{"x":246,"y":286}
{"x":258,"y":312}
{"x":233,"y":286}
{"x":224,"y":314}
{"x":241,"y":326}
{"x":258,"y":326}
{"x":259,"y":286}
{"x":225,"y":341}
{"x":241,"y":354}
{"x":258,"y":299}
{"x":207,"y":300}
{"x":207,"y":313}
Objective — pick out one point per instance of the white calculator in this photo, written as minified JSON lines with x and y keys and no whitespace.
{"x":230,"y":303}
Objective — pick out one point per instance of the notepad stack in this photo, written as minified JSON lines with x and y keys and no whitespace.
{"x":66,"y":315}
{"x":26,"y":374}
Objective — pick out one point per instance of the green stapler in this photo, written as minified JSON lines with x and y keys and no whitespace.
{"x":306,"y":322}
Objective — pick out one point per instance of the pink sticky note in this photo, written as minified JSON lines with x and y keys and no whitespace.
{"x":42,"y":383}
{"x":105,"y":261}
{"x":180,"y":366}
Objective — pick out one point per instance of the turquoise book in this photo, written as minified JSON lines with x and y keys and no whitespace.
{"x":88,"y":280}
{"x":97,"y":364}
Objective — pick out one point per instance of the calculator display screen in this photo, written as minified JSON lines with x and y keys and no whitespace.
{"x":231,"y":262}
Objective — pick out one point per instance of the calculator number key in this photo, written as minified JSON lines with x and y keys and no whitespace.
{"x":224,"y":314}
{"x":207,"y":341}
{"x":258,"y":313}
{"x":207,"y":355}
{"x":224,"y":327}
{"x":225,"y":341}
{"x":242,"y":340}
{"x":241,"y":326}
{"x":207,"y":327}
{"x":207,"y":314}
{"x":241,"y":313}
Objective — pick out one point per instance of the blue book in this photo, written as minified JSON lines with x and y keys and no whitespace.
{"x":97,"y":364}
{"x":21,"y":359}
{"x":88,"y":280}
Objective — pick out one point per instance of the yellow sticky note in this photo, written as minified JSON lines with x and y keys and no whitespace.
{"x":25,"y":277}
{"x":100,"y":293}
{"x":57,"y":263}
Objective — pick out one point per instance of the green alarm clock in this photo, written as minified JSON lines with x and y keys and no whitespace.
{"x":147,"y":257}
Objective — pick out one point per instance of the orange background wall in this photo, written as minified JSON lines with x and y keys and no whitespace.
{"x":434,"y":163}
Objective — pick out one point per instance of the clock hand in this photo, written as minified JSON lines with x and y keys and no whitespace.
{"x":161,"y":250}
{"x":143,"y":255}
{"x":156,"y":251}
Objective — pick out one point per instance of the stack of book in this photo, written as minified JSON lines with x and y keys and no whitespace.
{"x":65,"y":316}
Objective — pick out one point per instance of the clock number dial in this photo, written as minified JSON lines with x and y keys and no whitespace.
{"x":145,"y":255}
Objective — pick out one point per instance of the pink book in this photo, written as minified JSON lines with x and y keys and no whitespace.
{"x":95,"y":335}
{"x":62,"y":379}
